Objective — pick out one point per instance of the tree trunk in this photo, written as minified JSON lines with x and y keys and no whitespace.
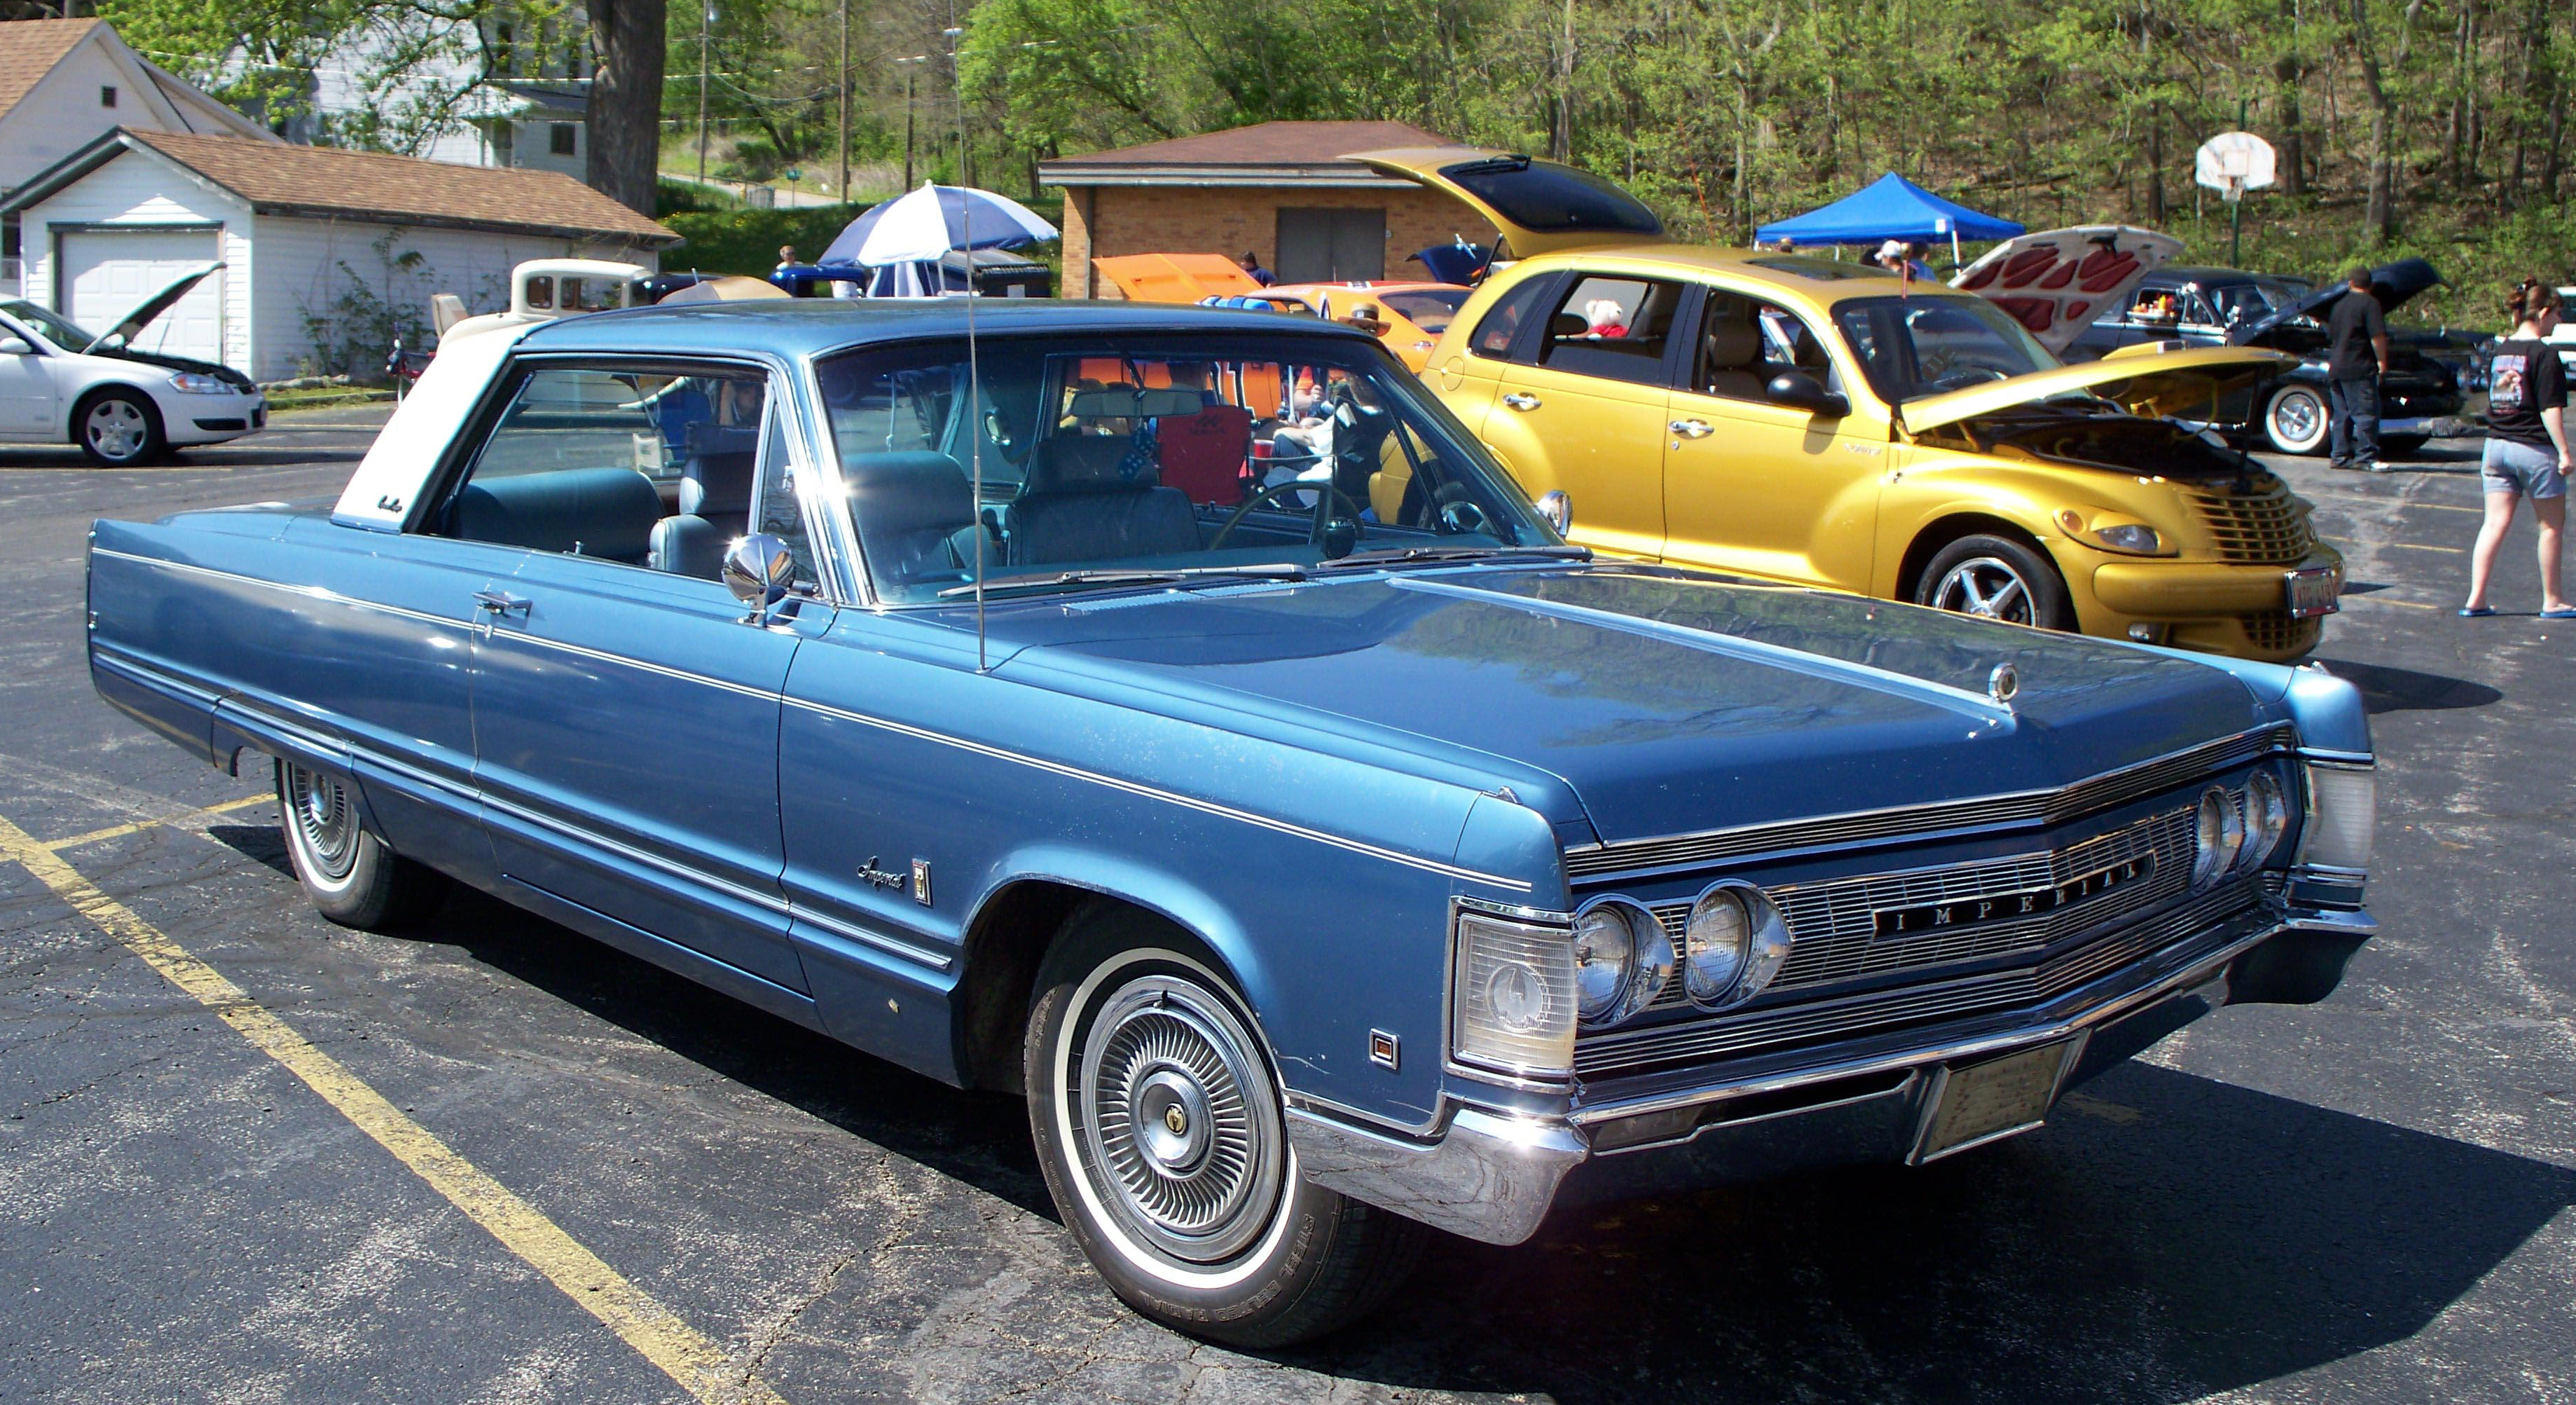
{"x":2380,"y":217}
{"x":626,"y":101}
{"x":2156,"y":166}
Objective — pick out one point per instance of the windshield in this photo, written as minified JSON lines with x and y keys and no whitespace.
{"x":1247,"y":452}
{"x":2245,"y":302}
{"x":1431,"y":309}
{"x":49,"y":324}
{"x":1911,"y":347}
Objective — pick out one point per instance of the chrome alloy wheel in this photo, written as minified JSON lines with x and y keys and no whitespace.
{"x":116,"y":429}
{"x":1179,"y":1120}
{"x":325,"y":824}
{"x":1987,"y":587}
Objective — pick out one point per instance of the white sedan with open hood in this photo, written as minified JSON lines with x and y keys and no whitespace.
{"x":64,"y":383}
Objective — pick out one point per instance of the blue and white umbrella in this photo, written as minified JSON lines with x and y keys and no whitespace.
{"x":934,"y":220}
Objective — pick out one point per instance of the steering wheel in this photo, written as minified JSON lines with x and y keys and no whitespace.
{"x":1974,"y":375}
{"x":1318,"y":486}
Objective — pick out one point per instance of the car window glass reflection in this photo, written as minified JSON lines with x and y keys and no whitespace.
{"x":1914,"y":347}
{"x":1612,"y":327}
{"x":1175,"y":454}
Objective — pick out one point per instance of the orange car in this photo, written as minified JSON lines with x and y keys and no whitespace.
{"x":1409,"y":317}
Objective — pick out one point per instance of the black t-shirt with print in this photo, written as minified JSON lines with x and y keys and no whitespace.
{"x":2524,"y":379}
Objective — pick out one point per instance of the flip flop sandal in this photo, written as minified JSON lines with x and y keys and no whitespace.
{"x":2569,"y":614}
{"x":2482,"y":611}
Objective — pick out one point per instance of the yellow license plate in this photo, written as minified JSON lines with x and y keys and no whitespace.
{"x":1981,"y":1102}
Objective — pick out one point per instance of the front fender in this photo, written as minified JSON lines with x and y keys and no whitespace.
{"x":1161,"y":890}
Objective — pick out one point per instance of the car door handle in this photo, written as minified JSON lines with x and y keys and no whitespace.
{"x":1519,"y":401}
{"x":1691,"y":429}
{"x":499,"y":602}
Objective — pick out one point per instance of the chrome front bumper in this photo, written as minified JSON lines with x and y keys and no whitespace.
{"x":1493,"y":1175}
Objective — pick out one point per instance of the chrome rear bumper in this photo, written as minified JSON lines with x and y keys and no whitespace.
{"x":1493,"y":1175}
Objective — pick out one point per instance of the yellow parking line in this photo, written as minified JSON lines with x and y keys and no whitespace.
{"x":2401,"y":604}
{"x":2411,"y":546}
{"x":697,"y":1364}
{"x":116,"y":830}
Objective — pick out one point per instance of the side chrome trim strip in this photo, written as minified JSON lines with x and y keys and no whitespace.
{"x":1190,"y":802}
{"x":1209,"y":807}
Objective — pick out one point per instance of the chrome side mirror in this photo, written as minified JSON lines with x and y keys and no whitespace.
{"x":758,"y":569}
{"x":1558,"y":509}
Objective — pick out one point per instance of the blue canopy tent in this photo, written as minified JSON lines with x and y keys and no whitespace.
{"x":1892,"y":207}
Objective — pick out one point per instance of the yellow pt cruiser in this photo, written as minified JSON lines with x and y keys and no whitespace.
{"x":1815,"y":421}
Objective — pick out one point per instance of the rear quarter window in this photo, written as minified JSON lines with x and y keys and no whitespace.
{"x":1501,"y":327}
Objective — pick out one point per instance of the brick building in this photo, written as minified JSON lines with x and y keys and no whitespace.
{"x":1276,"y":189}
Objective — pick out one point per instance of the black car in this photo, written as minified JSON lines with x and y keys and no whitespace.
{"x":2419,"y":398}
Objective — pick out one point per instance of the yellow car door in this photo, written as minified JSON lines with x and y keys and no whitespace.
{"x":1580,"y":406}
{"x":1767,"y":469}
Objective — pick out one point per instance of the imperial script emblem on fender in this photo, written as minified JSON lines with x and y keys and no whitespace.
{"x":2007,"y":907}
{"x":876,"y":877}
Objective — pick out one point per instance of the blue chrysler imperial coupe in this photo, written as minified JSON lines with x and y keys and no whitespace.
{"x":1175,"y":716}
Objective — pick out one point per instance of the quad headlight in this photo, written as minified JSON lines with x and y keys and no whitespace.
{"x":1736,"y":942}
{"x":1622,"y":960}
{"x":2218,"y":836}
{"x":2267,"y":818}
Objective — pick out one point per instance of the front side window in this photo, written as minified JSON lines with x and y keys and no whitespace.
{"x":657,"y":467}
{"x":1931,"y":345}
{"x":1745,"y":341}
{"x":1612,"y":327}
{"x":1188,"y":455}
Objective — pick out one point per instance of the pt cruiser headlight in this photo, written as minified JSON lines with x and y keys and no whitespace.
{"x":199,"y":383}
{"x":1622,"y":961}
{"x":2343,"y":808}
{"x":1513,"y":996}
{"x":1737,"y":942}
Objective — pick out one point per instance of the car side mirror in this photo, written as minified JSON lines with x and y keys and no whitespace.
{"x":758,"y":569}
{"x":1558,"y":509}
{"x":15,"y":346}
{"x":1799,"y":390}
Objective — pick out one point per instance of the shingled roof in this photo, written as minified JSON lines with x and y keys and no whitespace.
{"x":1261,"y":154}
{"x":382,"y":189}
{"x":29,"y":49}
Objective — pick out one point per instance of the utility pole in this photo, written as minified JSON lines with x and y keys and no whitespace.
{"x":706,"y":30}
{"x":909,"y":66}
{"x":965,"y":149}
{"x":844,"y":186}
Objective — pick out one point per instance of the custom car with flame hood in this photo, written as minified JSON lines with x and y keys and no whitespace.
{"x":1808,"y":420}
{"x":1327,"y":867}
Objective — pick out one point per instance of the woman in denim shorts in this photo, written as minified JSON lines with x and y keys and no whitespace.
{"x":2527,"y":454}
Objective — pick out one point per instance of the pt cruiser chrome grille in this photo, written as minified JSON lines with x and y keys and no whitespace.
{"x":1920,"y":821}
{"x":1636,"y":1051}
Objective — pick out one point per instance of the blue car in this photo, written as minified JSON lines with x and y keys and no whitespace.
{"x":1327,"y":851}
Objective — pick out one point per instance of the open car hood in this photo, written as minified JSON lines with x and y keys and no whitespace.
{"x":2055,"y":282}
{"x":141,"y":314}
{"x":2394,"y":284}
{"x":2154,"y":379}
{"x":1539,"y":206}
{"x":1175,"y":277}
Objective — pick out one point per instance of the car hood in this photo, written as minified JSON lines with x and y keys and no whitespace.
{"x":140,"y":315}
{"x":2055,"y":282}
{"x":226,"y":374}
{"x":2401,"y":280}
{"x":1641,"y":700}
{"x":2153,"y":379}
{"x":1175,"y":277}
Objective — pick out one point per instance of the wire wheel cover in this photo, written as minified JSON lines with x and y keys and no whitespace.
{"x":1180,"y":1123}
{"x":1987,"y":587}
{"x":116,"y":428}
{"x":325,"y":824}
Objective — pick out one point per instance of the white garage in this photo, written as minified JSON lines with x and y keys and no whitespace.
{"x":326,"y":253}
{"x":100,"y":273}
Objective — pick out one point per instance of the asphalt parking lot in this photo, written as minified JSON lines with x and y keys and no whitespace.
{"x":2372,"y":1199}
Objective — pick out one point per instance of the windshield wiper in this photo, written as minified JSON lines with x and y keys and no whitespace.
{"x":1179,"y":575}
{"x":1425,"y":555}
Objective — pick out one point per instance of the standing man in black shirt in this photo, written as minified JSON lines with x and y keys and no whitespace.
{"x":2356,"y":357}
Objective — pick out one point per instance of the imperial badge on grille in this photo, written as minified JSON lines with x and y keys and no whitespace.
{"x":2006,"y":907}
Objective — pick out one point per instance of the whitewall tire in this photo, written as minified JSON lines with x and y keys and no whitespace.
{"x":348,"y":872}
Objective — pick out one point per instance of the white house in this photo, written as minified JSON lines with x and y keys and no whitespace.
{"x":323,"y":249}
{"x":64,"y":82}
{"x":513,"y":86}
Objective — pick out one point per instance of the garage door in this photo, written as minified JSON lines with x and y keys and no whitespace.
{"x":104,"y":273}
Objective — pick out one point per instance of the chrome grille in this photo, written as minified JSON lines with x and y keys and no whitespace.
{"x":1917,"y":821}
{"x":1835,"y":924}
{"x":1631,"y":1051}
{"x":2266,"y":527}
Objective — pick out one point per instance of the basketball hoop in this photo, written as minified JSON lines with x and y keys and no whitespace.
{"x":2233,"y":163}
